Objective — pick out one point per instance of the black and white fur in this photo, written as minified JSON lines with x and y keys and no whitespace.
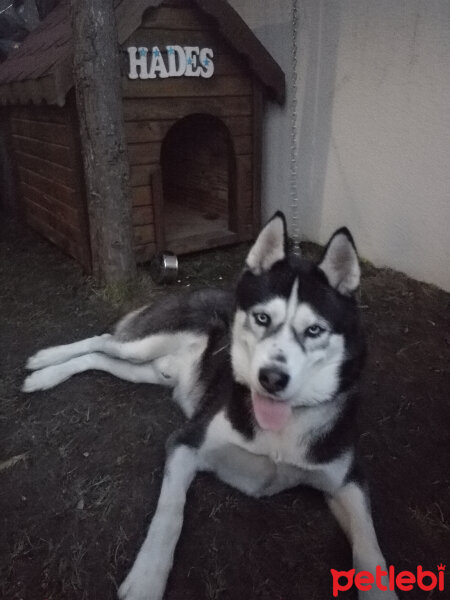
{"x":291,"y":336}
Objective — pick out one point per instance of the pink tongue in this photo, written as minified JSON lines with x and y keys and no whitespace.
{"x":269,"y":413}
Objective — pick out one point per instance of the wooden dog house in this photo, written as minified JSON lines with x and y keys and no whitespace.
{"x":194,"y":138}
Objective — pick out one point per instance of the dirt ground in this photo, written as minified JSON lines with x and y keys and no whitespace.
{"x":75,"y":503}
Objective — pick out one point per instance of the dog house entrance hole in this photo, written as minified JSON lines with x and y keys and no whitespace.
{"x":197,"y":172}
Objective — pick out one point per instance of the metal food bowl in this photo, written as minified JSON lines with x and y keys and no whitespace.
{"x":164,"y":267}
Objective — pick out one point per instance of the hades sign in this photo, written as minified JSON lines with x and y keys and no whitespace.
{"x":175,"y":61}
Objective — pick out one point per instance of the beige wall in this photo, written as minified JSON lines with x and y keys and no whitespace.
{"x":373,"y":122}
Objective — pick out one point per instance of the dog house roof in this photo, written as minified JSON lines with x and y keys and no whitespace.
{"x":41,"y":69}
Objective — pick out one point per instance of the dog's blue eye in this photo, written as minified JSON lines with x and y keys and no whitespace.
{"x":262,"y":319}
{"x":314,"y":331}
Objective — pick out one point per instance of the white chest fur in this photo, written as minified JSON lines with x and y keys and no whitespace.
{"x":289,"y":446}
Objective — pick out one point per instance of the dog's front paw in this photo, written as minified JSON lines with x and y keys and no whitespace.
{"x":132,"y":590}
{"x":141,"y":585}
{"x":138,"y":588}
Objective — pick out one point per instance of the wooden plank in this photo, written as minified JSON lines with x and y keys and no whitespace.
{"x":144,"y":154}
{"x":243,"y":196}
{"x":41,"y":112}
{"x":142,"y":215}
{"x":140,"y":174}
{"x":47,"y":186}
{"x":54,"y":153}
{"x":140,"y":109}
{"x":245,"y":165}
{"x":46,"y":216}
{"x":47,"y":169}
{"x":229,"y":64}
{"x":158,"y":209}
{"x":37,"y":89}
{"x":213,"y":202}
{"x":257,"y":141}
{"x":243,"y":144}
{"x":239,"y":125}
{"x":9,"y":199}
{"x":155,"y":131}
{"x":225,"y":85}
{"x":172,"y":18}
{"x":162,"y":39}
{"x":213,"y":239}
{"x":66,"y":244}
{"x":48,"y":232}
{"x":143,"y":234}
{"x":141,"y":196}
{"x":145,"y":253}
{"x":63,"y":211}
{"x":147,"y":131}
{"x":174,"y":3}
{"x":56,"y":133}
{"x":198,"y":179}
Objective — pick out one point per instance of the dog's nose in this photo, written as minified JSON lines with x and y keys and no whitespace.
{"x":273,"y":379}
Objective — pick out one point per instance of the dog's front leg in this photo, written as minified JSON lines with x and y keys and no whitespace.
{"x":148,"y":577}
{"x":351,"y":507}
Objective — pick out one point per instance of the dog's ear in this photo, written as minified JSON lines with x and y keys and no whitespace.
{"x":270,"y":245}
{"x":340,"y":262}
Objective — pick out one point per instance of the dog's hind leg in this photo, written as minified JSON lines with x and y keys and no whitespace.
{"x":350,"y":506}
{"x":148,"y":576}
{"x":59,"y":354}
{"x":141,"y":350}
{"x":50,"y":376}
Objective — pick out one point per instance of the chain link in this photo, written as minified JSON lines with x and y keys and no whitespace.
{"x":293,"y":191}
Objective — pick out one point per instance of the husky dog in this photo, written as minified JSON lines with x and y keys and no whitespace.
{"x":267,"y":380}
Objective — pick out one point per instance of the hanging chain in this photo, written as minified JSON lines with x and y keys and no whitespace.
{"x":293,"y":192}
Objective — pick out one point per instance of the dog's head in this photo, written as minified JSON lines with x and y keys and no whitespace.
{"x":296,"y":335}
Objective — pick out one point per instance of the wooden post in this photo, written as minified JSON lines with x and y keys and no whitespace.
{"x":9,"y":198}
{"x":99,"y":101}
